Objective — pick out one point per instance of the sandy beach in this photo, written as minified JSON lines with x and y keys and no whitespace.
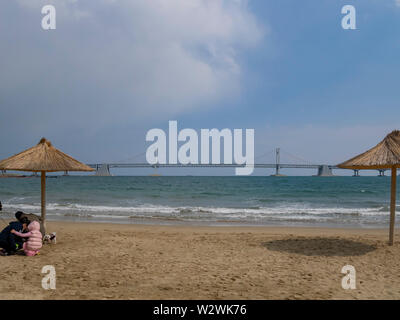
{"x":111,"y":261}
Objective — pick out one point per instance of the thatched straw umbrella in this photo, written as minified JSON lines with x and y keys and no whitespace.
{"x":385,"y":155}
{"x":43,"y":158}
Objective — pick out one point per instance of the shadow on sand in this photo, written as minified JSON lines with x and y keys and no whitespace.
{"x":329,"y":247}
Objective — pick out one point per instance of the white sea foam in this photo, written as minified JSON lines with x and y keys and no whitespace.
{"x":281,"y":213}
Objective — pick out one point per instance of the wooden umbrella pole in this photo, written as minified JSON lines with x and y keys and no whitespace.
{"x":392,"y":205}
{"x":43,"y":185}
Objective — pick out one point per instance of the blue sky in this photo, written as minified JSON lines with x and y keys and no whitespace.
{"x":112,"y":70}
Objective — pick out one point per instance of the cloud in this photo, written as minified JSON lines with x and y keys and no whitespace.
{"x":122,"y":61}
{"x":397,"y":3}
{"x":320,"y":144}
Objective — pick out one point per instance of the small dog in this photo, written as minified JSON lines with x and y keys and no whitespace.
{"x":50,"y":238}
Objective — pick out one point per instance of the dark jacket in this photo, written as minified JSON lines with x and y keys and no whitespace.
{"x":11,"y":240}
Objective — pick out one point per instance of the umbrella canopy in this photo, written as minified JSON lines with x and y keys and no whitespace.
{"x":43,"y":158}
{"x":385,"y":155}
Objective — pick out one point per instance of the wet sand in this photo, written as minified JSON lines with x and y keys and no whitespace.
{"x":111,"y":261}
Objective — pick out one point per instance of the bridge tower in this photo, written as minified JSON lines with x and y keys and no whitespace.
{"x":277,"y":163}
{"x":277,"y":160}
{"x":103,"y":170}
{"x":324,"y":171}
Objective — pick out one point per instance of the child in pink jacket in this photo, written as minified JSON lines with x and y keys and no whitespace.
{"x":34,"y":243}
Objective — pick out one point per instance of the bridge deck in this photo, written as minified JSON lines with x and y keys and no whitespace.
{"x":257,"y":165}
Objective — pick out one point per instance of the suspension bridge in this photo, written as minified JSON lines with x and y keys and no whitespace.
{"x":292,"y":162}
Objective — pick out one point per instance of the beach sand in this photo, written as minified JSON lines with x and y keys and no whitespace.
{"x":110,"y":261}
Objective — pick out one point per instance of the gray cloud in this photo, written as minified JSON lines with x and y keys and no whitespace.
{"x":112,"y":61}
{"x":113,"y":68}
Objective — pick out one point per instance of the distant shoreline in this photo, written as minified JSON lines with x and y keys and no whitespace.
{"x":16,"y":176}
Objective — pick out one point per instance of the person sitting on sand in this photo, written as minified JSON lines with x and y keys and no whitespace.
{"x":31,"y":217}
{"x":10,"y":242}
{"x":34,"y":243}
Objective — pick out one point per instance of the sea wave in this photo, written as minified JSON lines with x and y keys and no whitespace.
{"x":334,"y":201}
{"x":300,"y":212}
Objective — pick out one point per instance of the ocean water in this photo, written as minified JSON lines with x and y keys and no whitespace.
{"x":297,"y":201}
